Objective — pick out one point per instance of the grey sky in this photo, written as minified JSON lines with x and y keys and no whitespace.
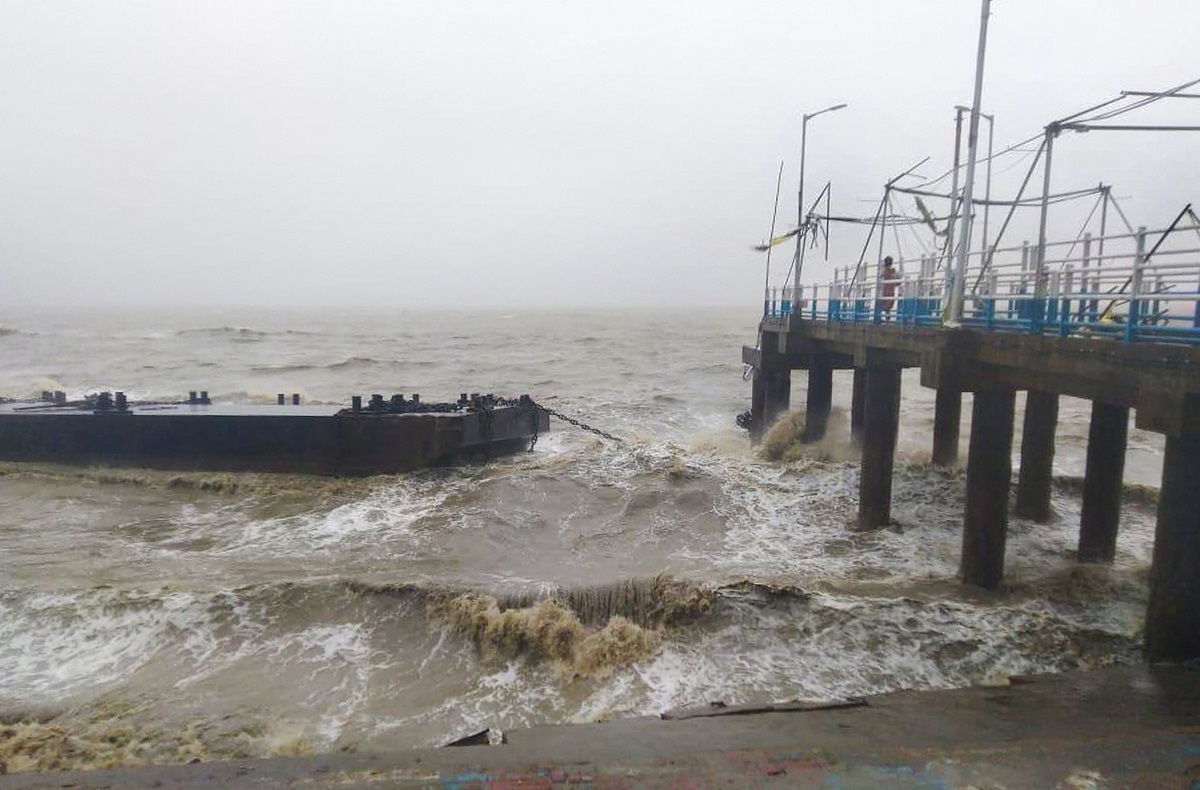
{"x":531,"y":153}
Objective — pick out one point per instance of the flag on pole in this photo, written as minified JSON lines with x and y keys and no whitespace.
{"x":766,"y":245}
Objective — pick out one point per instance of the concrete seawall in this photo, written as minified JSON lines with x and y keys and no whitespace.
{"x":1126,"y":727}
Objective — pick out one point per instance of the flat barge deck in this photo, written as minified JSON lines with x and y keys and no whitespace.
{"x":382,"y":437}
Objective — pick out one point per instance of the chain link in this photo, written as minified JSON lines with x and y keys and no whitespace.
{"x":516,"y":402}
{"x":578,"y":423}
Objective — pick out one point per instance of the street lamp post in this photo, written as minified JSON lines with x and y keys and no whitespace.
{"x":987,"y":190}
{"x":799,"y":257}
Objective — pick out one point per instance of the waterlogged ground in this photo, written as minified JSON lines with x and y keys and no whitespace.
{"x":154,"y":616}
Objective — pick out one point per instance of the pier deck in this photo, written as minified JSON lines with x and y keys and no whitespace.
{"x":1121,"y":330}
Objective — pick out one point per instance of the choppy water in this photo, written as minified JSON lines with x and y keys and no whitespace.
{"x":151,"y":615}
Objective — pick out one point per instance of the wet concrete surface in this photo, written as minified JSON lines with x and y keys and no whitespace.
{"x":1122,"y":727}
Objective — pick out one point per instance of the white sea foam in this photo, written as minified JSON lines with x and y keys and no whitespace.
{"x":259,"y":622}
{"x":53,"y":644}
{"x":388,"y":516}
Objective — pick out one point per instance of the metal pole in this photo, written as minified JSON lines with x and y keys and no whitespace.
{"x":796,"y":261}
{"x":960,"y":279}
{"x":1039,"y":286}
{"x":799,"y":257}
{"x":987,"y":193}
{"x":878,"y":310}
{"x":954,"y":204}
{"x":987,"y":197}
{"x":771,"y":238}
{"x":1103,"y":221}
{"x":1095,"y":304}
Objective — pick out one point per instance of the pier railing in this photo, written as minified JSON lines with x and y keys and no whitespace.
{"x":1141,"y":286}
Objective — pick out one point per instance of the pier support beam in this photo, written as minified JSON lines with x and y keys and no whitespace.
{"x":1173,"y":615}
{"x":857,"y":405}
{"x":1101,"y":512}
{"x":947,"y":414}
{"x":770,"y":396}
{"x":880,"y":420}
{"x":1037,"y":456}
{"x":778,"y":395}
{"x":989,"y":475}
{"x":820,"y":399}
{"x":758,"y":402}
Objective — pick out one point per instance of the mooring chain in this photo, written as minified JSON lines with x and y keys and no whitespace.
{"x":526,"y":401}
{"x":579,"y":424}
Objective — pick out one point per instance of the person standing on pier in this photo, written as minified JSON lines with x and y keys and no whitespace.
{"x":887,"y":287}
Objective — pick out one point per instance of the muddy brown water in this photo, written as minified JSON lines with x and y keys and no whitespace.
{"x":157,"y":616}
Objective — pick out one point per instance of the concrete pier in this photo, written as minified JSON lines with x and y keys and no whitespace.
{"x":771,"y":398}
{"x":989,"y":475}
{"x":778,"y":386}
{"x":947,"y":414}
{"x":880,"y":421}
{"x":1037,"y":456}
{"x":1173,"y":615}
{"x":1101,"y":513}
{"x":758,"y":402}
{"x":1160,"y":380}
{"x":858,"y":405}
{"x":820,"y":399}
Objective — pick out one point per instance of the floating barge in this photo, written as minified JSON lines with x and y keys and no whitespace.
{"x":381,"y":437}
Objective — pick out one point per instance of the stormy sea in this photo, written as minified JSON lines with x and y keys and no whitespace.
{"x":157,"y":616}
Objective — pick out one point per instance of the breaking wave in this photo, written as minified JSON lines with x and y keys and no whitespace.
{"x":235,"y":333}
{"x":350,"y":363}
{"x":340,"y":648}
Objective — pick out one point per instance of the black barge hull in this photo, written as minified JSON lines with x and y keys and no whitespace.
{"x":298,"y":439}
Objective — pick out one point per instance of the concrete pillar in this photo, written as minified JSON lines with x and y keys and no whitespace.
{"x":1037,"y":456}
{"x":770,"y":396}
{"x":758,"y":404}
{"x":820,"y":399}
{"x":880,"y":419}
{"x":778,"y":395}
{"x":1101,"y":513}
{"x":857,"y":405}
{"x":1173,"y":615}
{"x":989,"y":473}
{"x":947,"y":414}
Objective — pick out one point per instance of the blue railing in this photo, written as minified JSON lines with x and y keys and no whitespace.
{"x":1138,"y":287}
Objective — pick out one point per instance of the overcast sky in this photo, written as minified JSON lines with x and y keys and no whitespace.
{"x":522,"y":153}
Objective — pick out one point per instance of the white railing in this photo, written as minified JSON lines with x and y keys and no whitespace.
{"x":1142,"y":286}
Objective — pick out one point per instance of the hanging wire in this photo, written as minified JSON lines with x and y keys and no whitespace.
{"x":866,"y":244}
{"x":987,"y":263}
{"x":1014,"y":147}
{"x":1032,"y":202}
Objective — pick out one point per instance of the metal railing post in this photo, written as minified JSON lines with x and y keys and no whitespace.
{"x":1156,"y":309}
{"x":1196,"y":314}
{"x":1083,"y":274}
{"x":1023,"y":305}
{"x":993,"y":286}
{"x":1064,"y":328}
{"x":1055,"y":281}
{"x":1135,"y":286}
